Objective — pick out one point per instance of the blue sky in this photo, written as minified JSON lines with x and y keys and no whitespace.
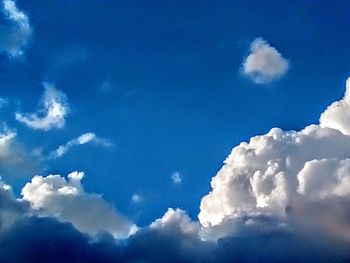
{"x":161,"y":91}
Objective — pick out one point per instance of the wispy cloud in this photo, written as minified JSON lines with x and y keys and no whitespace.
{"x":264,"y":64}
{"x":136,"y":198}
{"x":52,"y":112}
{"x":176,"y":178}
{"x":85,"y":138}
{"x":15,"y":35}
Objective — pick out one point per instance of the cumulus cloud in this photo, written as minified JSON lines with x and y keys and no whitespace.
{"x":52,"y":112}
{"x":85,"y":138}
{"x":65,"y":199}
{"x":176,"y":178}
{"x":16,"y":32}
{"x":264,"y":64}
{"x":284,"y":176}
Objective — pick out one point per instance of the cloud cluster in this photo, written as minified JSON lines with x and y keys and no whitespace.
{"x":264,"y":64}
{"x":52,"y":112}
{"x":281,"y":197}
{"x":16,"y":33}
{"x":85,"y":138}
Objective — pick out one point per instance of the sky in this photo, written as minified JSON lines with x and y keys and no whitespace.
{"x":213,"y":126}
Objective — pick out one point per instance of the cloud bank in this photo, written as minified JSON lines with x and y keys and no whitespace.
{"x":264,"y":64}
{"x":16,"y":33}
{"x":52,"y":112}
{"x":281,"y":197}
{"x":85,"y":138}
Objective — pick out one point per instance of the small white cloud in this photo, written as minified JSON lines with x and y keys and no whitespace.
{"x":53,"y":111}
{"x":264,"y":64}
{"x":15,"y":36}
{"x":85,"y":138}
{"x":136,"y":198}
{"x":176,"y":178}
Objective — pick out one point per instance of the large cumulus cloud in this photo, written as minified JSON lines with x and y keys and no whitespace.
{"x":286,"y":176}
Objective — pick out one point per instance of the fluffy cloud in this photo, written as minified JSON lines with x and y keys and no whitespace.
{"x":85,"y":138}
{"x":53,"y":111}
{"x":264,"y":64}
{"x":65,"y":199}
{"x":16,"y":33}
{"x":177,"y":219}
{"x":284,"y":176}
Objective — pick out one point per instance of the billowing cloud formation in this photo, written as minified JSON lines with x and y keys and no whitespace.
{"x":264,"y":64}
{"x":67,"y":201}
{"x":53,"y":111}
{"x":285,"y":176}
{"x":15,"y":35}
{"x":85,"y":138}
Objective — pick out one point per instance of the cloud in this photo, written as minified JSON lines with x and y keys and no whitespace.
{"x":264,"y":64}
{"x":14,"y":159}
{"x":85,"y":138}
{"x":53,"y":111}
{"x":136,"y":198}
{"x":16,"y":33}
{"x":65,"y":199}
{"x":286,"y":176}
{"x":176,"y":178}
{"x":177,"y":219}
{"x":281,"y":197}
{"x":336,"y":116}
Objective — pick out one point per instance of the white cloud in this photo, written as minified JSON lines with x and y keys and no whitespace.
{"x":136,"y":198}
{"x":264,"y":64}
{"x":14,"y":36}
{"x":53,"y":111}
{"x":176,"y":178}
{"x":85,"y":138}
{"x":66,"y":200}
{"x":284,"y":173}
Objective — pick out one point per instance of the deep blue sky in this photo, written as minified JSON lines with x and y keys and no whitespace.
{"x":162,"y":81}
